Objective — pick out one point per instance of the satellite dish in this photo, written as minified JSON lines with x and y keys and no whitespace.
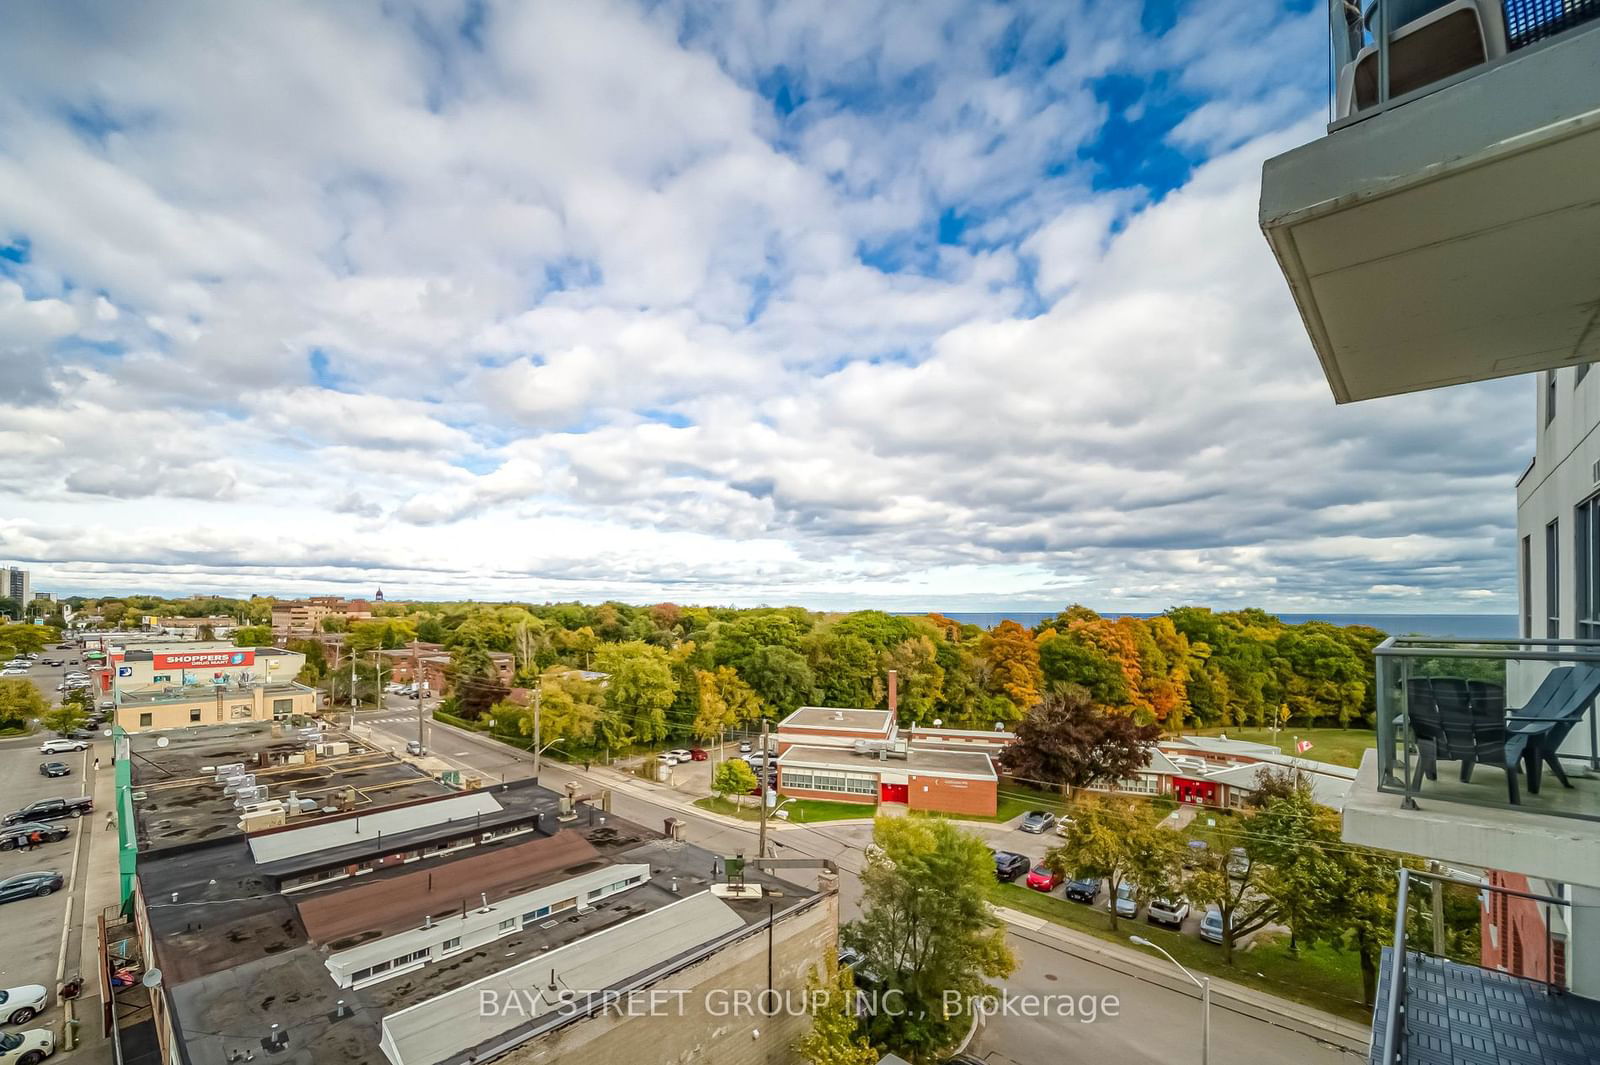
{"x":162,"y":741}
{"x":151,"y":978}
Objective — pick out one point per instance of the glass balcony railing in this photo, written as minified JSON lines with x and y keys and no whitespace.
{"x":1497,"y":723}
{"x":1384,"y":53}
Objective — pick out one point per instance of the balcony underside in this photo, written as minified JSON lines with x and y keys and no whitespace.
{"x":1457,"y":1013}
{"x":1455,"y":238}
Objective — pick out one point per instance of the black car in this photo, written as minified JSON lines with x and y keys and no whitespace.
{"x":1083,"y":889}
{"x":54,"y":769}
{"x":29,"y":885}
{"x":14,"y":836}
{"x":80,"y":734}
{"x":1009,"y":866}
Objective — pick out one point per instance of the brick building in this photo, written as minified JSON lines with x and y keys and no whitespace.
{"x":301,"y":618}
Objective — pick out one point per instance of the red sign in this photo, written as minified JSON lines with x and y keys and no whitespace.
{"x":199,"y":659}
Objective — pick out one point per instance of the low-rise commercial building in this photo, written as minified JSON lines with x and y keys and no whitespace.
{"x":399,"y":922}
{"x":155,"y":709}
{"x":185,"y":664}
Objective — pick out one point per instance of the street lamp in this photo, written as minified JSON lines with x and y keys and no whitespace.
{"x":777,"y":811}
{"x":1202,"y":982}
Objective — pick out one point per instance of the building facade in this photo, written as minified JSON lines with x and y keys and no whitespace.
{"x":155,"y":710}
{"x":301,"y":618}
{"x":16,"y":583}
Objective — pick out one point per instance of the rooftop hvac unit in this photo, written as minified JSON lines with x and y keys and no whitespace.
{"x":237,"y":784}
{"x":251,"y":798}
{"x":223,"y":772}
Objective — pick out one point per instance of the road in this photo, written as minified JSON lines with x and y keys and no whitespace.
{"x":1154,"y":1023}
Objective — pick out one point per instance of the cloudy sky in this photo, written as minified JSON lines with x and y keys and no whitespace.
{"x":926,"y":304}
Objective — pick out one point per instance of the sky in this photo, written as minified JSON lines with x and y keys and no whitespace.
{"x":923,"y":305}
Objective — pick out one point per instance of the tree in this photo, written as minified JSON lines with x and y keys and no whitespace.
{"x":64,"y":718}
{"x":734,"y":777}
{"x":640,"y":688}
{"x":1012,"y":658}
{"x":919,"y":678}
{"x":252,"y":636}
{"x":723,"y":700}
{"x":1299,"y":840}
{"x":927,"y":930}
{"x":475,"y":682}
{"x":569,"y":709}
{"x":845,"y":670}
{"x":1119,"y":841}
{"x":1068,"y":741}
{"x":20,"y":702}
{"x":780,"y":676}
{"x":1237,"y":891}
{"x":834,"y":1038}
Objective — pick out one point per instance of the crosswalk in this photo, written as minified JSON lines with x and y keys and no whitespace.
{"x":394,"y":719}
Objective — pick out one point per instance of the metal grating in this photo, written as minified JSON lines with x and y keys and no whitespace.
{"x":1528,"y":21}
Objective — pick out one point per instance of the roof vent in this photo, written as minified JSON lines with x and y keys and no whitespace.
{"x":838,"y":715}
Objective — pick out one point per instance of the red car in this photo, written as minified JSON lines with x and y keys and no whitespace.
{"x":698,"y":754}
{"x":1041,"y":878}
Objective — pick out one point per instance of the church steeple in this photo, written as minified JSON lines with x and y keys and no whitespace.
{"x":379,"y":596}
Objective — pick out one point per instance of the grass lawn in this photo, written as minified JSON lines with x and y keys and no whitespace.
{"x":1338,"y":746}
{"x":800,"y":811}
{"x":1318,"y":976}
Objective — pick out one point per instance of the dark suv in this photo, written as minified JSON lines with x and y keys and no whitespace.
{"x":1083,"y":889}
{"x":1008,"y":866}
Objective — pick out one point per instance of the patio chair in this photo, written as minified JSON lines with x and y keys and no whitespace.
{"x":1543,"y":723}
{"x":1427,"y":730}
{"x":1488,"y":699}
{"x":1474,"y":741}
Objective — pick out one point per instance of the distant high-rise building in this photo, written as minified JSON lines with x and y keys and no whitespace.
{"x":16,"y":584}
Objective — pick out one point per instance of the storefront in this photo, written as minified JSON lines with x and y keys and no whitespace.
{"x":1196,"y":792}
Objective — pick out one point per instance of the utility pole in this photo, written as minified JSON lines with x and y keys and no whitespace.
{"x":377,"y":664}
{"x":762,"y":789}
{"x":538,"y":694}
{"x":416,"y":681}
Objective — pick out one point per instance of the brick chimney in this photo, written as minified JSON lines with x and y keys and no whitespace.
{"x":894,"y":691}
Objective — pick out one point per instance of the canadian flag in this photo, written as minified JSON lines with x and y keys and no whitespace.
{"x":1302,"y":746}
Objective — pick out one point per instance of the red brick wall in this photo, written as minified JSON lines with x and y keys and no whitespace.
{"x":952,"y":795}
{"x":1516,"y":943}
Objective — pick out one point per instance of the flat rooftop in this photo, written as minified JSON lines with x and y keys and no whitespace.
{"x":177,"y":800}
{"x":939,"y":762}
{"x":831,"y":717}
{"x":188,"y":694}
{"x":235,"y":970}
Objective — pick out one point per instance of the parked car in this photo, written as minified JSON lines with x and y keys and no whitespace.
{"x":76,"y":674}
{"x":1238,"y":863}
{"x":698,"y":754}
{"x":413,"y":747}
{"x":744,"y":747}
{"x":19,"y":1005}
{"x":1037,"y":821}
{"x":682,"y":754}
{"x":1083,"y":888}
{"x":29,"y":885}
{"x":1167,"y":911}
{"x":1063,"y":825}
{"x":1194,"y":852}
{"x":51,"y":810}
{"x":757,"y":760}
{"x":1043,"y":878}
{"x":1008,"y":866}
{"x":667,"y":758}
{"x":78,"y":734}
{"x":62,"y":746}
{"x":1126,"y":900}
{"x":13,"y":671}
{"x":27,"y":1048}
{"x":54,"y":769}
{"x":14,"y":836}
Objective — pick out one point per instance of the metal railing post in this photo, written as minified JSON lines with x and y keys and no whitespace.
{"x":1394,"y":1010}
{"x":1409,"y":784}
{"x":1383,"y":52}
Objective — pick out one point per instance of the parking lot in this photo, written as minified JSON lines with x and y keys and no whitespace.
{"x":32,"y":927}
{"x":48,"y":678}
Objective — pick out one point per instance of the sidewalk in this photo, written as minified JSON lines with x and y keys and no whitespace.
{"x":94,"y":889}
{"x":1259,"y":1005}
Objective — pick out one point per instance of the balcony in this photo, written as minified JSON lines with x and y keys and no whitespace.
{"x":1486,"y":755}
{"x":1435,"y":1010}
{"x":1447,"y":228}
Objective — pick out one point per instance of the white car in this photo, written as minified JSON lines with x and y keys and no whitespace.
{"x":27,"y":1048}
{"x":19,"y":1005}
{"x":76,"y":674}
{"x":62,"y":746}
{"x":744,"y":747}
{"x":681,"y":754}
{"x":11,"y":671}
{"x":1171,"y":912}
{"x":667,"y":758}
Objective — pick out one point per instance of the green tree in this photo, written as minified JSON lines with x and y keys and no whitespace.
{"x":1299,"y":839}
{"x":918,"y":676}
{"x":733,"y":777}
{"x":641,"y":686}
{"x":834,"y":1037}
{"x":1231,"y":880}
{"x":1120,"y":841}
{"x":780,"y":676}
{"x":927,"y":929}
{"x":64,"y":718}
{"x":570,"y":709}
{"x":845,"y":670}
{"x":252,"y":636}
{"x":20,"y":702}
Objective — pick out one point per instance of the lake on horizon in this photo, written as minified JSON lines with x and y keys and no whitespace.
{"x":1438,"y":626}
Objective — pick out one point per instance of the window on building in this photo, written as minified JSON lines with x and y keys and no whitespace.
{"x":1586,"y":567}
{"x":830,"y":780}
{"x":564,"y":904}
{"x":1552,"y":579}
{"x":1527,"y":587}
{"x":1549,"y":396}
{"x":508,"y":925}
{"x":146,"y":720}
{"x":453,"y":943}
{"x":282,"y":708}
{"x":535,"y":915}
{"x":194,"y":714}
